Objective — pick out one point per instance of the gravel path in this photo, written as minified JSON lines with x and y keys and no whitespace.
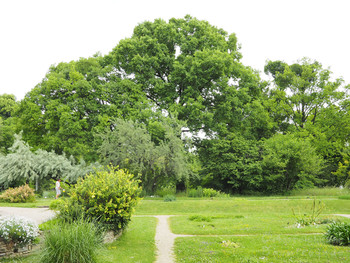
{"x":165,"y":240}
{"x":348,"y":216}
{"x":38,"y":215}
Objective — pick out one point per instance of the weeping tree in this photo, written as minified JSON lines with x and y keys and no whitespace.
{"x":22,"y":165}
{"x":153,"y":152}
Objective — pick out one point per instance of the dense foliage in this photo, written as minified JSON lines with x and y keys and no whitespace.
{"x":21,"y":194}
{"x":109,"y":196}
{"x":338,"y":234}
{"x":180,"y":79}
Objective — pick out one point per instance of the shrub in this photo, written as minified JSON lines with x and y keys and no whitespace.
{"x":21,"y":194}
{"x":76,"y":242}
{"x":209,"y":192}
{"x":169,"y":198}
{"x":17,"y":232}
{"x":108,"y":196}
{"x":68,"y":209}
{"x":167,"y":190}
{"x":195,"y":192}
{"x":338,"y":234}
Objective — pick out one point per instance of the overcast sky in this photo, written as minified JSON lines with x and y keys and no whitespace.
{"x":38,"y":33}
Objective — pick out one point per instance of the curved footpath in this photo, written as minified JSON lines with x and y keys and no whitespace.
{"x":164,"y":237}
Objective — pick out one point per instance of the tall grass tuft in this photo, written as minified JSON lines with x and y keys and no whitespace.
{"x":75,"y":242}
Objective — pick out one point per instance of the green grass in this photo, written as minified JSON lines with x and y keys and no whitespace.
{"x":254,"y":229}
{"x":250,"y":224}
{"x":260,"y":248}
{"x":40,"y":202}
{"x":135,"y":245}
{"x":326,"y":191}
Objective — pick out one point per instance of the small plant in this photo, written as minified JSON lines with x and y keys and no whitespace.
{"x":72,"y":243}
{"x":16,"y":232}
{"x":311,"y":218}
{"x":338,"y":234}
{"x":21,"y":194}
{"x":209,"y":192}
{"x":169,"y":198}
{"x":200,"y":218}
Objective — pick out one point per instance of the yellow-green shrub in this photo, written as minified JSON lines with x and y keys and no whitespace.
{"x":108,"y":196}
{"x":21,"y":194}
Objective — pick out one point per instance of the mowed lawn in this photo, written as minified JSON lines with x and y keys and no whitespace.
{"x":236,"y":229}
{"x":252,"y":229}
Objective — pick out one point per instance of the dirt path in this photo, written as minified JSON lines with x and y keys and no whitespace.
{"x":165,"y":240}
{"x":348,"y":216}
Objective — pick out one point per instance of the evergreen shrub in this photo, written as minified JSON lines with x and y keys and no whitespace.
{"x":109,"y":196}
{"x":21,"y":194}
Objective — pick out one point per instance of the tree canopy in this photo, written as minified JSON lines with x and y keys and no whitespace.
{"x":174,"y":103}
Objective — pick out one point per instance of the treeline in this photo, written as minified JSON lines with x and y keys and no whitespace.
{"x":175,"y":105}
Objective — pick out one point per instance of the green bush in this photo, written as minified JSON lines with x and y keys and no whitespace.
{"x":108,"y":196}
{"x":169,"y":198}
{"x":195,"y":192}
{"x":21,"y":194}
{"x":76,"y":242}
{"x":167,"y":190}
{"x":209,"y":192}
{"x":338,"y":234}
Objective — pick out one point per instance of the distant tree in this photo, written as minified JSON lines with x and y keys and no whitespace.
{"x":301,"y":91}
{"x":129,"y":145}
{"x":22,"y":165}
{"x":232,"y":164}
{"x":289,"y":162}
{"x":62,"y":112}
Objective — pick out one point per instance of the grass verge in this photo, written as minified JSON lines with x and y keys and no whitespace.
{"x":263,"y":248}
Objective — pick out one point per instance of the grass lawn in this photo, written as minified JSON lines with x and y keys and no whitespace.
{"x":238,"y":229}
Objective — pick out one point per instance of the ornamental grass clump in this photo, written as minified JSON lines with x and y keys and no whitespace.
{"x":16,"y":232}
{"x":75,"y":242}
{"x":21,"y":194}
{"x":108,"y":197}
{"x":338,"y":234}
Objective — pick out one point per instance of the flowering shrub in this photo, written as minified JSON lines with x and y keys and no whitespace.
{"x":17,"y":231}
{"x":108,"y":196}
{"x":19,"y":194}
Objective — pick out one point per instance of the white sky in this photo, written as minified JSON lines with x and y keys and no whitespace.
{"x":38,"y":33}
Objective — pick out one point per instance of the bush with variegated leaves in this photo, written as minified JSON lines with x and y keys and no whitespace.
{"x":108,"y":196}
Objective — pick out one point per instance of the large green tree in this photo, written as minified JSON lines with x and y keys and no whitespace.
{"x":190,"y":67}
{"x":302,"y":90}
{"x":307,"y":100}
{"x":62,"y":112}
